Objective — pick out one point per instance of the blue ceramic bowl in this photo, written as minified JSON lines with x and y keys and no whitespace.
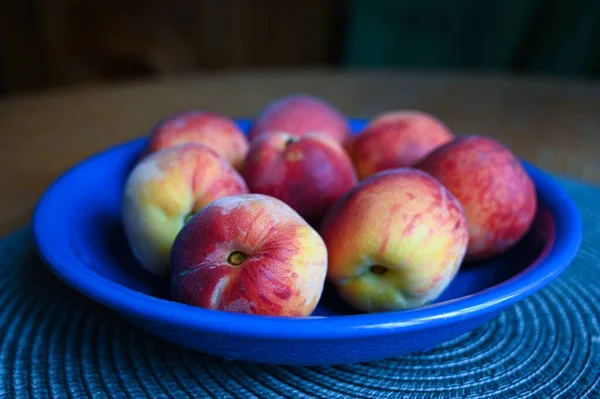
{"x":79,"y":235}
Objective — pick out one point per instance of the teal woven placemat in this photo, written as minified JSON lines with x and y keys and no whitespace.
{"x":57,"y":343}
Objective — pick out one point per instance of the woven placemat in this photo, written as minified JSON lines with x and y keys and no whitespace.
{"x":57,"y":343}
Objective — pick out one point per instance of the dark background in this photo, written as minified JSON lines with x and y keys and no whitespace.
{"x":59,"y":43}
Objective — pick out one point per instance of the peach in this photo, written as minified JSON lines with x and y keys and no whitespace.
{"x":251,"y":254}
{"x":299,"y":115}
{"x":395,"y":140}
{"x":497,"y":195}
{"x":395,"y":241}
{"x":213,"y":130}
{"x":164,"y":189}
{"x":309,"y":172}
{"x":347,"y":145}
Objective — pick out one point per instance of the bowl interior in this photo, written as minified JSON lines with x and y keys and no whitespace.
{"x":97,"y":239}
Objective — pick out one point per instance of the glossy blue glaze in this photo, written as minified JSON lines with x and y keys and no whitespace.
{"x":79,"y":235}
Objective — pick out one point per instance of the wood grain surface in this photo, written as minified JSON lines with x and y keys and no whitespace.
{"x":554,"y":124}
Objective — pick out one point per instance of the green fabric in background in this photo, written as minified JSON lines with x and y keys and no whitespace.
{"x":533,"y":36}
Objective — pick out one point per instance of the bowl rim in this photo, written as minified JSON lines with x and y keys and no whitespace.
{"x":67,"y":267}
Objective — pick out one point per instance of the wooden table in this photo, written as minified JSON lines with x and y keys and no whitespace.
{"x":554,"y":124}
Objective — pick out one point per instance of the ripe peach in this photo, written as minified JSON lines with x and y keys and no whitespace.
{"x":397,"y":139}
{"x":249,"y":254}
{"x":347,"y":145}
{"x":395,"y":241}
{"x":299,"y":115}
{"x":164,"y":189}
{"x":213,"y":130}
{"x":309,"y":172}
{"x":497,"y":195}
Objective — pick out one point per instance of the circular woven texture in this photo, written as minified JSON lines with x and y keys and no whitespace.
{"x":57,"y":343}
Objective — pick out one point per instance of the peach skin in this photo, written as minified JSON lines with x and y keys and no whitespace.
{"x":395,"y":241}
{"x":395,"y":140}
{"x":497,"y":195}
{"x":249,"y":254}
{"x":213,"y":130}
{"x":309,"y":172}
{"x":299,"y":115}
{"x":163,"y":190}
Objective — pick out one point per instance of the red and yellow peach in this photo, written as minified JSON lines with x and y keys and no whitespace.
{"x":308,"y":172}
{"x":164,"y":189}
{"x":396,"y":139}
{"x":395,"y":241}
{"x":249,"y":254}
{"x":300,"y":115}
{"x":496,"y":193}
{"x":213,"y":130}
